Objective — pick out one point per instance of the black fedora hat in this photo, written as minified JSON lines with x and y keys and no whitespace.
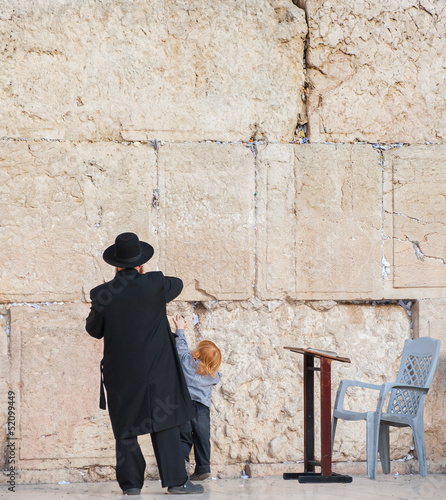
{"x":128,"y":251}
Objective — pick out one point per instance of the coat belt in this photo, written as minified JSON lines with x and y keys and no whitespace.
{"x":102,"y":404}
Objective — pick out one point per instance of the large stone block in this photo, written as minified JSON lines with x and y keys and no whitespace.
{"x":61,"y":205}
{"x":56,"y":375}
{"x":81,"y":69}
{"x":206,"y":219}
{"x":376,"y":71}
{"x":417,"y":207}
{"x":319,"y":222}
{"x":257,"y":409}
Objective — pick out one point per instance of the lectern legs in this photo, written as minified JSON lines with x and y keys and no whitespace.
{"x":309,"y":413}
{"x":326,"y":475}
{"x":326,"y":417}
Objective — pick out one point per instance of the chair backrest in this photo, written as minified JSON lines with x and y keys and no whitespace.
{"x":417,"y":368}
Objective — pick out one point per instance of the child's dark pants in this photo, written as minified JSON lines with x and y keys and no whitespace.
{"x":197,"y":432}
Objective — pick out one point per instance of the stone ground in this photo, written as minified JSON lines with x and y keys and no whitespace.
{"x":384,"y":487}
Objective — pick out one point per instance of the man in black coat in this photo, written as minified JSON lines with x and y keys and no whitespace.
{"x":141,"y":371}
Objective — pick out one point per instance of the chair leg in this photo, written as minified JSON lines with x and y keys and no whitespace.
{"x":384,"y":447}
{"x":420,"y":446}
{"x":372,"y":443}
{"x":333,"y":432}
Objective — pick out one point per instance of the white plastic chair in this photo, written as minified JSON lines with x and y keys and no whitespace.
{"x":406,"y":404}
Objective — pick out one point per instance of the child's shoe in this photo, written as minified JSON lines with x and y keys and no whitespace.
{"x":200,"y":476}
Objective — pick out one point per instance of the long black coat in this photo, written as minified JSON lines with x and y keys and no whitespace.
{"x":146,"y":389}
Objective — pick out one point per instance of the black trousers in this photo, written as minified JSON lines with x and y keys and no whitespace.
{"x":130,"y":463}
{"x":197,"y":432}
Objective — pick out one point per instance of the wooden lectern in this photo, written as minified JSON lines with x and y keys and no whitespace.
{"x":326,"y":475}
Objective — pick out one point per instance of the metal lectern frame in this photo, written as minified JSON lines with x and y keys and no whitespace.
{"x":309,"y":475}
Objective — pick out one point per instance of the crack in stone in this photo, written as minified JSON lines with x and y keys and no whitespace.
{"x":405,"y":216}
{"x":421,"y":255}
{"x":418,"y":251}
{"x":385,"y":264}
{"x":413,"y":218}
{"x":255,"y":269}
{"x":416,"y":245}
{"x":422,"y":7}
{"x":156,"y":196}
{"x":209,"y":296}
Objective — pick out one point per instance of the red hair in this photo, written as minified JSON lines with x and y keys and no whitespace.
{"x":209,"y":356}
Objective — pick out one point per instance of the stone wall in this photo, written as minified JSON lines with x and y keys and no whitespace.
{"x":286,"y":160}
{"x":376,"y":71}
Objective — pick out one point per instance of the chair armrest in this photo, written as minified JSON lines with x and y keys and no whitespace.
{"x":345,"y":384}
{"x":388,"y":386}
{"x":357,"y":383}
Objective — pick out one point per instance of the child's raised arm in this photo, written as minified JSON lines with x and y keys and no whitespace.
{"x":181,"y":341}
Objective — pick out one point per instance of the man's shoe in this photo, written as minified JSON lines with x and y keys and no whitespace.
{"x":186,"y":488}
{"x":200,"y":476}
{"x":132,"y":491}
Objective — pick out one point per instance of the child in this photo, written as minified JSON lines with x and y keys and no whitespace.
{"x":201,"y":372}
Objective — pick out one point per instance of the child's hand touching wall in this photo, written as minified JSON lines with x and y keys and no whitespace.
{"x":179,"y":322}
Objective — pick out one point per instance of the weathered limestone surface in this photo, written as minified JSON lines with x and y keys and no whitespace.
{"x":206,"y":221}
{"x":416,"y":216}
{"x":328,"y":223}
{"x":4,"y":381}
{"x":319,"y":221}
{"x":268,"y":234}
{"x":61,"y":205}
{"x":257,"y":409}
{"x":431,"y":322}
{"x":257,"y":404}
{"x":78,"y":69}
{"x":376,"y":71}
{"x":58,"y":386}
